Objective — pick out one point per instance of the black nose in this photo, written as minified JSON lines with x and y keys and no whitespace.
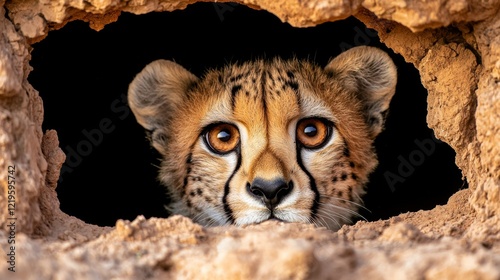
{"x":271,"y":192}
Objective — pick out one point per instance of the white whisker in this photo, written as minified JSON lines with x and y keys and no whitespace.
{"x":329,"y":216}
{"x":216,"y":217}
{"x":324,"y":223}
{"x":343,"y":209}
{"x":348,"y":201}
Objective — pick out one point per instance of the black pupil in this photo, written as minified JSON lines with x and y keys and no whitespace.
{"x":224,"y":135}
{"x":310,"y":130}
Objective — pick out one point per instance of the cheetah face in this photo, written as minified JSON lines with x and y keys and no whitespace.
{"x":285,"y":140}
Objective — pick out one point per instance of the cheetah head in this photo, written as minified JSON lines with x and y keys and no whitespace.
{"x":284,"y":140}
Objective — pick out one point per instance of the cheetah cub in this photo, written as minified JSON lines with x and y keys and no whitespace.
{"x":283,"y":140}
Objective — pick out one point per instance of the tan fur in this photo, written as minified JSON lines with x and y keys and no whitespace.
{"x":265,"y":101}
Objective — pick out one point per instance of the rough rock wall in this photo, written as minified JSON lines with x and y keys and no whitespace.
{"x":21,"y":115}
{"x":454,"y":44}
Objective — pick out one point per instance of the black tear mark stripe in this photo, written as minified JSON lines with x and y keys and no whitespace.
{"x":312,"y":182}
{"x":227,"y":208}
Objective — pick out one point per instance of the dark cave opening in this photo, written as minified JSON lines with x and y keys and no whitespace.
{"x":83,"y":75}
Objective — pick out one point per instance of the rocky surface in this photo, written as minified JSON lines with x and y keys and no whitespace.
{"x":454,"y":44}
{"x":428,"y":245}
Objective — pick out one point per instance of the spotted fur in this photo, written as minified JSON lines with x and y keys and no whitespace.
{"x":265,"y":101}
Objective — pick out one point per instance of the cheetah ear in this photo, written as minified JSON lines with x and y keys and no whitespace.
{"x":155,"y":94}
{"x":370,"y":74}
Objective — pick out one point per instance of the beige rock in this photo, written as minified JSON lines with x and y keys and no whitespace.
{"x":459,"y":63}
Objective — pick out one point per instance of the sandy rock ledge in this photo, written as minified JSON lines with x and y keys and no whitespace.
{"x":454,"y":44}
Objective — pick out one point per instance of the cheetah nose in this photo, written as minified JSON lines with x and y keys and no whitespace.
{"x":271,"y":192}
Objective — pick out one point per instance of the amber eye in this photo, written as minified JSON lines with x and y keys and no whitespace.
{"x":222,"y":138}
{"x":313,"y":132}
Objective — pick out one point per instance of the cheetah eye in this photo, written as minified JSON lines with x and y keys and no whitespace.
{"x":313,"y":133}
{"x":222,"y":138}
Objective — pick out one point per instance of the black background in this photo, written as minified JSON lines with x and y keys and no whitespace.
{"x":82,"y":75}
